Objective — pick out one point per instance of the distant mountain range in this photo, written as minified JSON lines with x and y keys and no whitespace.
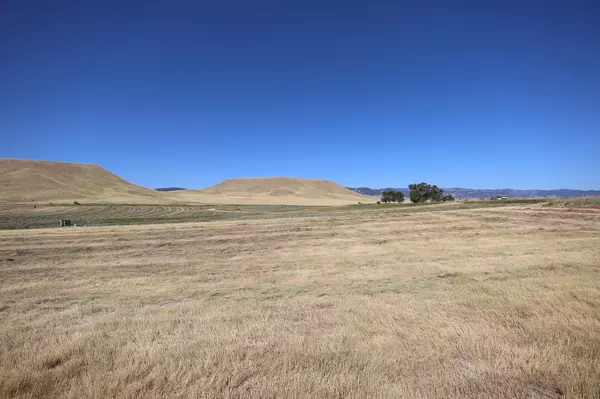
{"x":488,"y":193}
{"x":170,"y":189}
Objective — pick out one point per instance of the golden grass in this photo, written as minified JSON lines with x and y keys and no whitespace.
{"x":29,"y":181}
{"x":586,"y":202}
{"x":201,"y":197}
{"x":23,"y":180}
{"x":498,"y":302}
{"x":275,"y":191}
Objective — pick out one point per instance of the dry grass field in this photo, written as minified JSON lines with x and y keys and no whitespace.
{"x":26,"y":216}
{"x":453,"y":303}
{"x":20,"y":216}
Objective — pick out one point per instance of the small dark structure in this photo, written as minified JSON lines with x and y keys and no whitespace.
{"x":65,"y":222}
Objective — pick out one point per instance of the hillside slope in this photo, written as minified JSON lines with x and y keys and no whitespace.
{"x":28,"y":181}
{"x":45,"y":181}
{"x":275,"y":190}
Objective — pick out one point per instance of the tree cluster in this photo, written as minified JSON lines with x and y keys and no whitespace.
{"x":423,"y":192}
{"x":392,"y":196}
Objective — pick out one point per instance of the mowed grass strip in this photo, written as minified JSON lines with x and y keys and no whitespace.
{"x":484,"y":302}
{"x":21,"y":216}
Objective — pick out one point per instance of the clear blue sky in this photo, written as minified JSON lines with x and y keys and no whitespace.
{"x":481,"y":94}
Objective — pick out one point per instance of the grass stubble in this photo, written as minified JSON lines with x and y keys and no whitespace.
{"x":475,"y":303}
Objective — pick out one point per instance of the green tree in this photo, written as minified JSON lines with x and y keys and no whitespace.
{"x":436,"y":194}
{"x":399,"y":197}
{"x":414,"y":196}
{"x":390,"y":195}
{"x":423,"y":192}
{"x":448,"y":198}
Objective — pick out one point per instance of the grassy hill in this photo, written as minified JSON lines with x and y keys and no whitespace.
{"x":29,"y":181}
{"x":275,"y":190}
{"x":45,"y":181}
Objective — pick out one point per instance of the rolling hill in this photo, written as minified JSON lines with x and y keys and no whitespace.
{"x":29,"y":181}
{"x":275,"y":190}
{"x":44,"y":181}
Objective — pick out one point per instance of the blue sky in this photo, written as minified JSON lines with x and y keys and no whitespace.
{"x":481,"y":94}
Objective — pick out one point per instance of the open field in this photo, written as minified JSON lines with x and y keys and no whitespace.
{"x":20,"y":216}
{"x":583,"y":202}
{"x":436,"y":302}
